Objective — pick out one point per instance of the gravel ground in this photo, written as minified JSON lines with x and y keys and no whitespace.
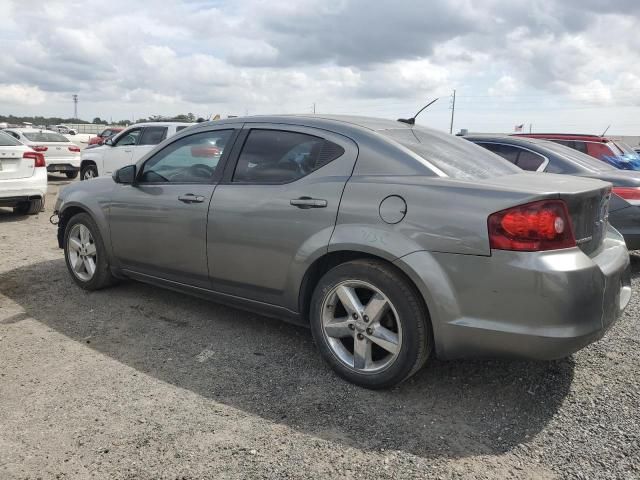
{"x":138,"y":382}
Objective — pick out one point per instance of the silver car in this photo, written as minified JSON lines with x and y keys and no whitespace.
{"x":392,"y":242}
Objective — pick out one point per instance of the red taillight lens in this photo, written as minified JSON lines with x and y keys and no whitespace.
{"x":38,"y":158}
{"x":543,"y":225}
{"x":630,"y":194}
{"x":74,"y":149}
{"x":40,"y":148}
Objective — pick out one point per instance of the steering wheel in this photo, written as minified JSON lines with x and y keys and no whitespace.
{"x":201,"y":170}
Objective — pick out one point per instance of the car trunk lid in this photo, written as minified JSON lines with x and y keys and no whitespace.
{"x":13,"y":165}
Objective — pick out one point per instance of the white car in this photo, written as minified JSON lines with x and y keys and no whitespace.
{"x":64,"y":130}
{"x":23,"y":176}
{"x":60,"y":154}
{"x":126,"y":147}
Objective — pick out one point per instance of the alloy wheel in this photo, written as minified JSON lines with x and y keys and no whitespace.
{"x":81,"y":249}
{"x":361,"y":326}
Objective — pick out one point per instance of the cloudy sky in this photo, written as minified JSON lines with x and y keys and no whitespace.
{"x":560,"y":65}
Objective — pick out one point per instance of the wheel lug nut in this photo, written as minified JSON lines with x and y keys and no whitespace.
{"x":355,"y":316}
{"x":369,"y":331}
{"x":360,"y":336}
{"x":352,"y":326}
{"x":365,"y":318}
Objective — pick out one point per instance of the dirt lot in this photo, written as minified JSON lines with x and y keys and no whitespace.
{"x":137,"y":382}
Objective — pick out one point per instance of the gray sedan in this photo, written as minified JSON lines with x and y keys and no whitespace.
{"x":393,"y":242}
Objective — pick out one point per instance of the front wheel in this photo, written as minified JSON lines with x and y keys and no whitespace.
{"x":88,"y":172}
{"x":370,"y":324}
{"x":85,"y":254}
{"x":73,"y":174}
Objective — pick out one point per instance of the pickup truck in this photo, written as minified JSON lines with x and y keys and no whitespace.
{"x":126,"y":147}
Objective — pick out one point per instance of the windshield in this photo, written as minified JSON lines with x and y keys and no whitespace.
{"x":44,"y":137}
{"x":7,"y":140}
{"x":456,"y":157}
{"x":581,"y":159}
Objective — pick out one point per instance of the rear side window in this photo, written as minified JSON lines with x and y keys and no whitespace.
{"x":277,"y":156}
{"x":44,"y":137}
{"x":153,"y":135}
{"x":456,"y":157}
{"x":7,"y":140}
{"x":507,"y":152}
{"x":529,"y":161}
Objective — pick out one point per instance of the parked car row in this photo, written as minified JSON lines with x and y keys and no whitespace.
{"x":394,"y":243}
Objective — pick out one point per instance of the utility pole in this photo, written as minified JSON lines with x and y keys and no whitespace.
{"x":530,"y":125}
{"x":75,"y":105}
{"x":453,"y":110}
{"x":314,"y":107}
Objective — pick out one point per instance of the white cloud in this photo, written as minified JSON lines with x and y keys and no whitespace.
{"x":381,"y":57}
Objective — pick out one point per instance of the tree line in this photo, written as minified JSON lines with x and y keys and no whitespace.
{"x":38,"y":120}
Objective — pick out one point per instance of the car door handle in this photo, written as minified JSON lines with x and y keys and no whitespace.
{"x":308,"y":202}
{"x":191,"y":198}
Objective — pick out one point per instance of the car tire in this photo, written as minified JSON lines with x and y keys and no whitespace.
{"x":88,"y":172}
{"x":94,"y":271}
{"x":404,"y":329}
{"x":71,"y":174}
{"x":31,"y":207}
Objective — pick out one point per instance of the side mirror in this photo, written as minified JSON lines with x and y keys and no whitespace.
{"x":125,"y":175}
{"x":109,"y":141}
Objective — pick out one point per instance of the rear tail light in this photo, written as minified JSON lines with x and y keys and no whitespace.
{"x":74,"y":149}
{"x":38,"y":158}
{"x":40,"y":148}
{"x":542,"y":225}
{"x":630,"y":194}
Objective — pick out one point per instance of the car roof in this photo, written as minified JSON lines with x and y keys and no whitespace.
{"x":156,"y":124}
{"x":563,"y":136}
{"x":29,"y":130}
{"x":319,"y":120}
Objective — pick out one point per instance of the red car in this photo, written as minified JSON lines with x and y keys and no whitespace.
{"x":102,"y":136}
{"x":615,"y":153}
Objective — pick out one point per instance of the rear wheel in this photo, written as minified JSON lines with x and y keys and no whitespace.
{"x":85,"y":254}
{"x":370,"y":324}
{"x":31,"y":207}
{"x":88,"y":172}
{"x":73,"y":174}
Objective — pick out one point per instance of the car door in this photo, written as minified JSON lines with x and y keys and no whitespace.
{"x":150,"y":137}
{"x":276,"y":209}
{"x":159,"y":224}
{"x":120,"y":152}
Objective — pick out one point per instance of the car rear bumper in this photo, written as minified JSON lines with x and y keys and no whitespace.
{"x":13,"y":191}
{"x":535,"y":305}
{"x":63,"y":164}
{"x":62,"y":167}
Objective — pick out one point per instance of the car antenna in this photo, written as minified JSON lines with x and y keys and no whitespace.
{"x":412,"y":120}
{"x":605,"y":130}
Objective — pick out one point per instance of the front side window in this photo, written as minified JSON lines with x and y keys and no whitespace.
{"x":128,"y":138}
{"x":276,"y":156}
{"x":153,"y":135}
{"x":192,"y":159}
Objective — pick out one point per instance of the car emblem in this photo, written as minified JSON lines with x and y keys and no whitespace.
{"x":58,"y":148}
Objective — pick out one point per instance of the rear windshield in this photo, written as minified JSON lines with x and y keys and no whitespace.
{"x":7,"y":140}
{"x":456,"y":157}
{"x":44,"y":137}
{"x":581,"y":159}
